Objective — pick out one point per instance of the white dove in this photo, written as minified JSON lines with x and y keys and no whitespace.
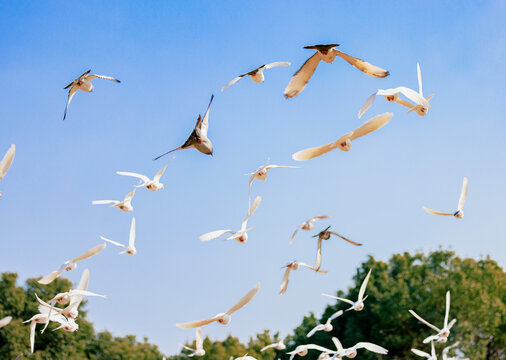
{"x":459,"y":214}
{"x":294,"y":265}
{"x":257,"y":75}
{"x":352,"y":351}
{"x":241,"y":236}
{"x":302,"y":350}
{"x":6,"y":162}
{"x":327,"y":327}
{"x":73,"y":296}
{"x":223,"y":318}
{"x":130,"y":249}
{"x":443,"y":333}
{"x":261,"y":174}
{"x":42,"y":318}
{"x":5,"y":321}
{"x":245,"y":357}
{"x":83,"y":83}
{"x":125,"y":205}
{"x":153,"y":185}
{"x":431,"y":356}
{"x":71,"y":264}
{"x":308,"y":225}
{"x":392,"y":95}
{"x":328,"y":54}
{"x":344,"y":142}
{"x":447,"y":349}
{"x":199,"y":344}
{"x":280,"y":345}
{"x":359,"y":304}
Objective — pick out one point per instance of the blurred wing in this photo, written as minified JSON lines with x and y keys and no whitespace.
{"x":277,"y":64}
{"x":198,"y":338}
{"x":337,"y":344}
{"x":447,"y":308}
{"x":463,"y":194}
{"x":214,"y":234}
{"x":5,"y":321}
{"x":419,"y":318}
{"x":435,"y":212}
{"x":419,"y":73}
{"x":268,"y":347}
{"x":281,"y":167}
{"x":346,"y":239}
{"x":131,"y":239}
{"x":244,"y":300}
{"x":413,"y":95}
{"x":125,"y":173}
{"x":254,"y":206}
{"x":49,"y":278}
{"x":233,"y":82}
{"x":302,"y":76}
{"x":103,"y":202}
{"x":314,"y":330}
{"x":312,"y":268}
{"x":205,"y":121}
{"x":294,"y":233}
{"x":6,"y":162}
{"x":113,"y":242}
{"x":336,"y":315}
{"x":91,"y":77}
{"x":130,"y":195}
{"x":249,"y":188}
{"x":159,"y":174}
{"x":421,"y":353}
{"x":195,"y":324}
{"x":339,"y":298}
{"x":313,"y":152}
{"x":319,"y":217}
{"x":363,"y":286}
{"x":371,"y":125}
{"x":72,"y":92}
{"x":362,"y":65}
{"x":93,"y":251}
{"x":284,"y":282}
{"x":371,"y":347}
{"x":368,"y":103}
{"x":319,"y":254}
{"x":318,"y":347}
{"x":85,"y":280}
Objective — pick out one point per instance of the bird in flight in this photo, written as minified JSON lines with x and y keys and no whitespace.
{"x":223,"y":318}
{"x":257,"y":75}
{"x":125,"y":205}
{"x":130,"y":249}
{"x":327,"y":327}
{"x":199,"y":345}
{"x":459,"y":214}
{"x":328,"y":54}
{"x":153,"y":185}
{"x":392,"y":95}
{"x":359,"y":304}
{"x":294,"y":265}
{"x":83,"y":83}
{"x":308,"y":225}
{"x":344,"y":142}
{"x":431,"y":356}
{"x":198,"y":138}
{"x":325,"y":235}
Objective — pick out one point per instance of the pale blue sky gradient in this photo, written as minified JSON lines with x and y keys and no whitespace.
{"x":171,"y":56}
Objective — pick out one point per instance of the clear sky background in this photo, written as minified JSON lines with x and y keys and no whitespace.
{"x":171,"y":56}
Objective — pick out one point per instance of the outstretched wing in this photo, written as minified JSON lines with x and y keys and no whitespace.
{"x":104,"y":202}
{"x":301,"y":77}
{"x":419,"y":318}
{"x":421,"y":353}
{"x":284,"y":282}
{"x":50,"y":277}
{"x":368,"y":103}
{"x":91,"y":77}
{"x":204,"y":126}
{"x":346,"y":239}
{"x":338,"y":298}
{"x":214,"y":235}
{"x":72,"y":92}
{"x":126,"y":173}
{"x":277,"y":64}
{"x":198,"y":323}
{"x":244,"y":300}
{"x":268,"y":347}
{"x":363,"y":286}
{"x":6,"y":162}
{"x":435,"y":212}
{"x":159,"y":174}
{"x":419,"y":73}
{"x":233,"y":82}
{"x":371,"y":347}
{"x":362,"y":65}
{"x":463,"y":194}
{"x":371,"y":125}
{"x":91,"y":252}
{"x":313,"y":152}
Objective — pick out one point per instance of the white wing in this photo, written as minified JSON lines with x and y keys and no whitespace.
{"x":277,"y":64}
{"x":281,"y":167}
{"x":368,"y":103}
{"x":205,"y":121}
{"x":313,"y":152}
{"x":419,"y":318}
{"x":336,"y":315}
{"x":214,"y":234}
{"x":72,"y":92}
{"x":131,"y":239}
{"x":463,"y":194}
{"x":435,"y":212}
{"x":104,"y":202}
{"x":421,"y":353}
{"x":337,"y":344}
{"x":419,"y":73}
{"x":301,"y":77}
{"x":91,"y":252}
{"x":314,"y":330}
{"x":295,"y":232}
{"x":233,"y":82}
{"x":6,"y":162}
{"x":371,"y":125}
{"x":85,"y":279}
{"x":363,"y":286}
{"x":362,"y":65}
{"x":113,"y":242}
{"x":268,"y":347}
{"x":284,"y":282}
{"x":126,"y":173}
{"x":251,"y":211}
{"x":50,"y":278}
{"x":199,"y":342}
{"x":159,"y":174}
{"x":371,"y":347}
{"x":195,"y":324}
{"x":130,"y":195}
{"x":339,"y":298}
{"x":244,"y":300}
{"x":5,"y":321}
{"x":91,"y":77}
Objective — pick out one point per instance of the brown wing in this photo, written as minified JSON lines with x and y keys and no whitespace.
{"x":302,"y":76}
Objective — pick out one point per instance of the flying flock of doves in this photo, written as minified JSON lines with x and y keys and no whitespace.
{"x":198,"y":139}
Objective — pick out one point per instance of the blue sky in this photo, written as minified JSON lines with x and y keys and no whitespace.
{"x":170,"y":57}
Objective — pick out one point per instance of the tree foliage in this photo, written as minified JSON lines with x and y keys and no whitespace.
{"x":407,"y":281}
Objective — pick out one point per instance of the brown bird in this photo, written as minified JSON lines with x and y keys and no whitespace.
{"x":328,"y":54}
{"x":325,"y":235}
